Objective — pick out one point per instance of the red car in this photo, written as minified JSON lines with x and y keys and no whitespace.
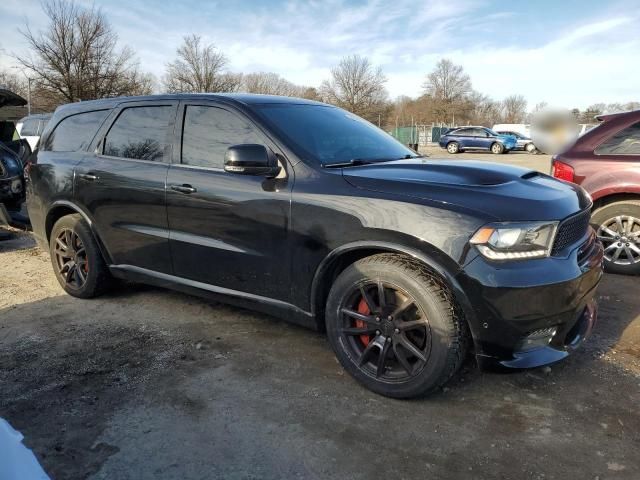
{"x":606,"y":162}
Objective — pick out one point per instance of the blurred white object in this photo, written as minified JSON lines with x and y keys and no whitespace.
{"x":521,"y":128}
{"x":553,"y":130}
{"x":17,"y":462}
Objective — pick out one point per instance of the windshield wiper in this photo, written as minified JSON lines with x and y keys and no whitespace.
{"x":367,"y":161}
{"x":351,"y":163}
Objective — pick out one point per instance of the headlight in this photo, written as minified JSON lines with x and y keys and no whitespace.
{"x":515,"y":241}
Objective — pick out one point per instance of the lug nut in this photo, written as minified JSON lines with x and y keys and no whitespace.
{"x":377,"y":332}
{"x":397,"y":330}
{"x":389,"y":317}
{"x":377,"y":319}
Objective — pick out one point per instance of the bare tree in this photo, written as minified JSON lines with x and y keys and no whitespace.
{"x":13,"y":82}
{"x":589,"y":115}
{"x":482,"y":110}
{"x":447,"y":82}
{"x":514,"y":109}
{"x":199,"y":68}
{"x":357,"y":86}
{"x":269,"y":83}
{"x":76,"y":56}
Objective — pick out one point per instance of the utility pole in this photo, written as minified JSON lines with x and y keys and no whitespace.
{"x":29,"y":95}
{"x":29,"y":80}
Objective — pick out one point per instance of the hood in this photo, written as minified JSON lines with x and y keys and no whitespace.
{"x":10,"y":99}
{"x":500,"y":192}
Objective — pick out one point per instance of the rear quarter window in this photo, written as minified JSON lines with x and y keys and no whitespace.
{"x":74,"y":133}
{"x":625,"y":142}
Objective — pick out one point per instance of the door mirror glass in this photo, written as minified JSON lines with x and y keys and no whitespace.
{"x":251,"y":159}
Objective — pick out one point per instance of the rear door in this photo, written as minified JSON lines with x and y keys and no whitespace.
{"x":462,"y":137}
{"x":227,"y":230}
{"x":480,"y":138}
{"x":122,"y":182}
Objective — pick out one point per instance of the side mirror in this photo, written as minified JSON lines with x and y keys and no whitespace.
{"x":251,"y":159}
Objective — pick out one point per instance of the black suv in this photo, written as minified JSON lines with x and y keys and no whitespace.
{"x":306,"y":211}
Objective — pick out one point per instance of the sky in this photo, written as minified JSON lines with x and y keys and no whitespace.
{"x":563,"y":52}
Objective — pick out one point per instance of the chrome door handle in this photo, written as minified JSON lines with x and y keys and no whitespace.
{"x":184,"y":188}
{"x":90,"y":177}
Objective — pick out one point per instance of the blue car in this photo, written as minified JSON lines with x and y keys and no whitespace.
{"x":477,"y":138}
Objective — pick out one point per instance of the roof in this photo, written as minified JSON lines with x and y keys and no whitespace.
{"x":606,"y":118}
{"x":239,"y":98}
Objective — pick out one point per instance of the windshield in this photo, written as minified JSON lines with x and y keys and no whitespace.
{"x":329,"y":135}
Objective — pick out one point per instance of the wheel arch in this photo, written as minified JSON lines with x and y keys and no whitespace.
{"x":62,"y":208}
{"x":340,"y":258}
{"x":601,"y":198}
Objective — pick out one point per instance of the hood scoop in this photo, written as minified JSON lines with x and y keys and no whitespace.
{"x":467,"y":173}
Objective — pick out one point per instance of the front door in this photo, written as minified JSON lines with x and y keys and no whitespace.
{"x":122,"y":184}
{"x":227,"y":230}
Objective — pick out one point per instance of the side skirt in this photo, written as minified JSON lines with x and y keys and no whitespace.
{"x":270,"y":306}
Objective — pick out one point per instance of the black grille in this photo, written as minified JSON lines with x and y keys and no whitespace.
{"x":571,"y":230}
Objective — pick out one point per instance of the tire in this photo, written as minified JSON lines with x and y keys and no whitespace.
{"x":497,"y":148}
{"x":530,"y":148}
{"x":80,"y":270}
{"x":438,"y":333}
{"x":453,"y":147}
{"x":622,"y":252}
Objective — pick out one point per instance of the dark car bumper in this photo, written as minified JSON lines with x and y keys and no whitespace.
{"x":528,"y":314}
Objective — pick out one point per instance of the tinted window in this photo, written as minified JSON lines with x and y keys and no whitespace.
{"x":139,"y":133}
{"x":74,"y":133}
{"x":330,"y":135}
{"x":209,"y":131}
{"x":625,"y":142}
{"x":467,"y":132}
{"x":29,"y":128}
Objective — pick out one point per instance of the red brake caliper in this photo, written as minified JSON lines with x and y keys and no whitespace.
{"x":363,"y":308}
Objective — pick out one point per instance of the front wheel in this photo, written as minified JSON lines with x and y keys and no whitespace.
{"x":76,"y":258}
{"x":394,"y":327}
{"x":497,"y":148}
{"x":618,"y":228}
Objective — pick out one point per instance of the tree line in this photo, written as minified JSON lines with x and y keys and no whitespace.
{"x":77,"y":57}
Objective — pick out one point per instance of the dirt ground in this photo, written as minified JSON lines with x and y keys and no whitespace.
{"x":145,"y":383}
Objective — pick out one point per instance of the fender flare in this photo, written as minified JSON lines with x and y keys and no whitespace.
{"x":435,"y":261}
{"x":87,"y":218}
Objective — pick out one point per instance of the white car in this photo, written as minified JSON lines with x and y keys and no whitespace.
{"x":521,"y":128}
{"x":30,"y":128}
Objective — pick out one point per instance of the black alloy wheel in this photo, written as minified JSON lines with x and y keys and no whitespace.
{"x":394,"y":326}
{"x":71,"y":258}
{"x":385,"y":331}
{"x":77,"y":261}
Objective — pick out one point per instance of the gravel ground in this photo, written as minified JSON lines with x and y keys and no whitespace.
{"x":145,"y":383}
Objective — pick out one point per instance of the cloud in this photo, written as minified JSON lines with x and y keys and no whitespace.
{"x":563,"y":54}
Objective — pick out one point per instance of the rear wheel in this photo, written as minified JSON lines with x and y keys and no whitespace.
{"x":530,"y":148}
{"x":76,"y":258}
{"x":497,"y":148}
{"x":618,"y":228}
{"x":453,"y":147}
{"x":393,"y":326}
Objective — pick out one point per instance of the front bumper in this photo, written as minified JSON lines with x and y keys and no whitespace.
{"x":532,"y":313}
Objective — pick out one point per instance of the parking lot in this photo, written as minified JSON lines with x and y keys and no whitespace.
{"x":146,"y":383}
